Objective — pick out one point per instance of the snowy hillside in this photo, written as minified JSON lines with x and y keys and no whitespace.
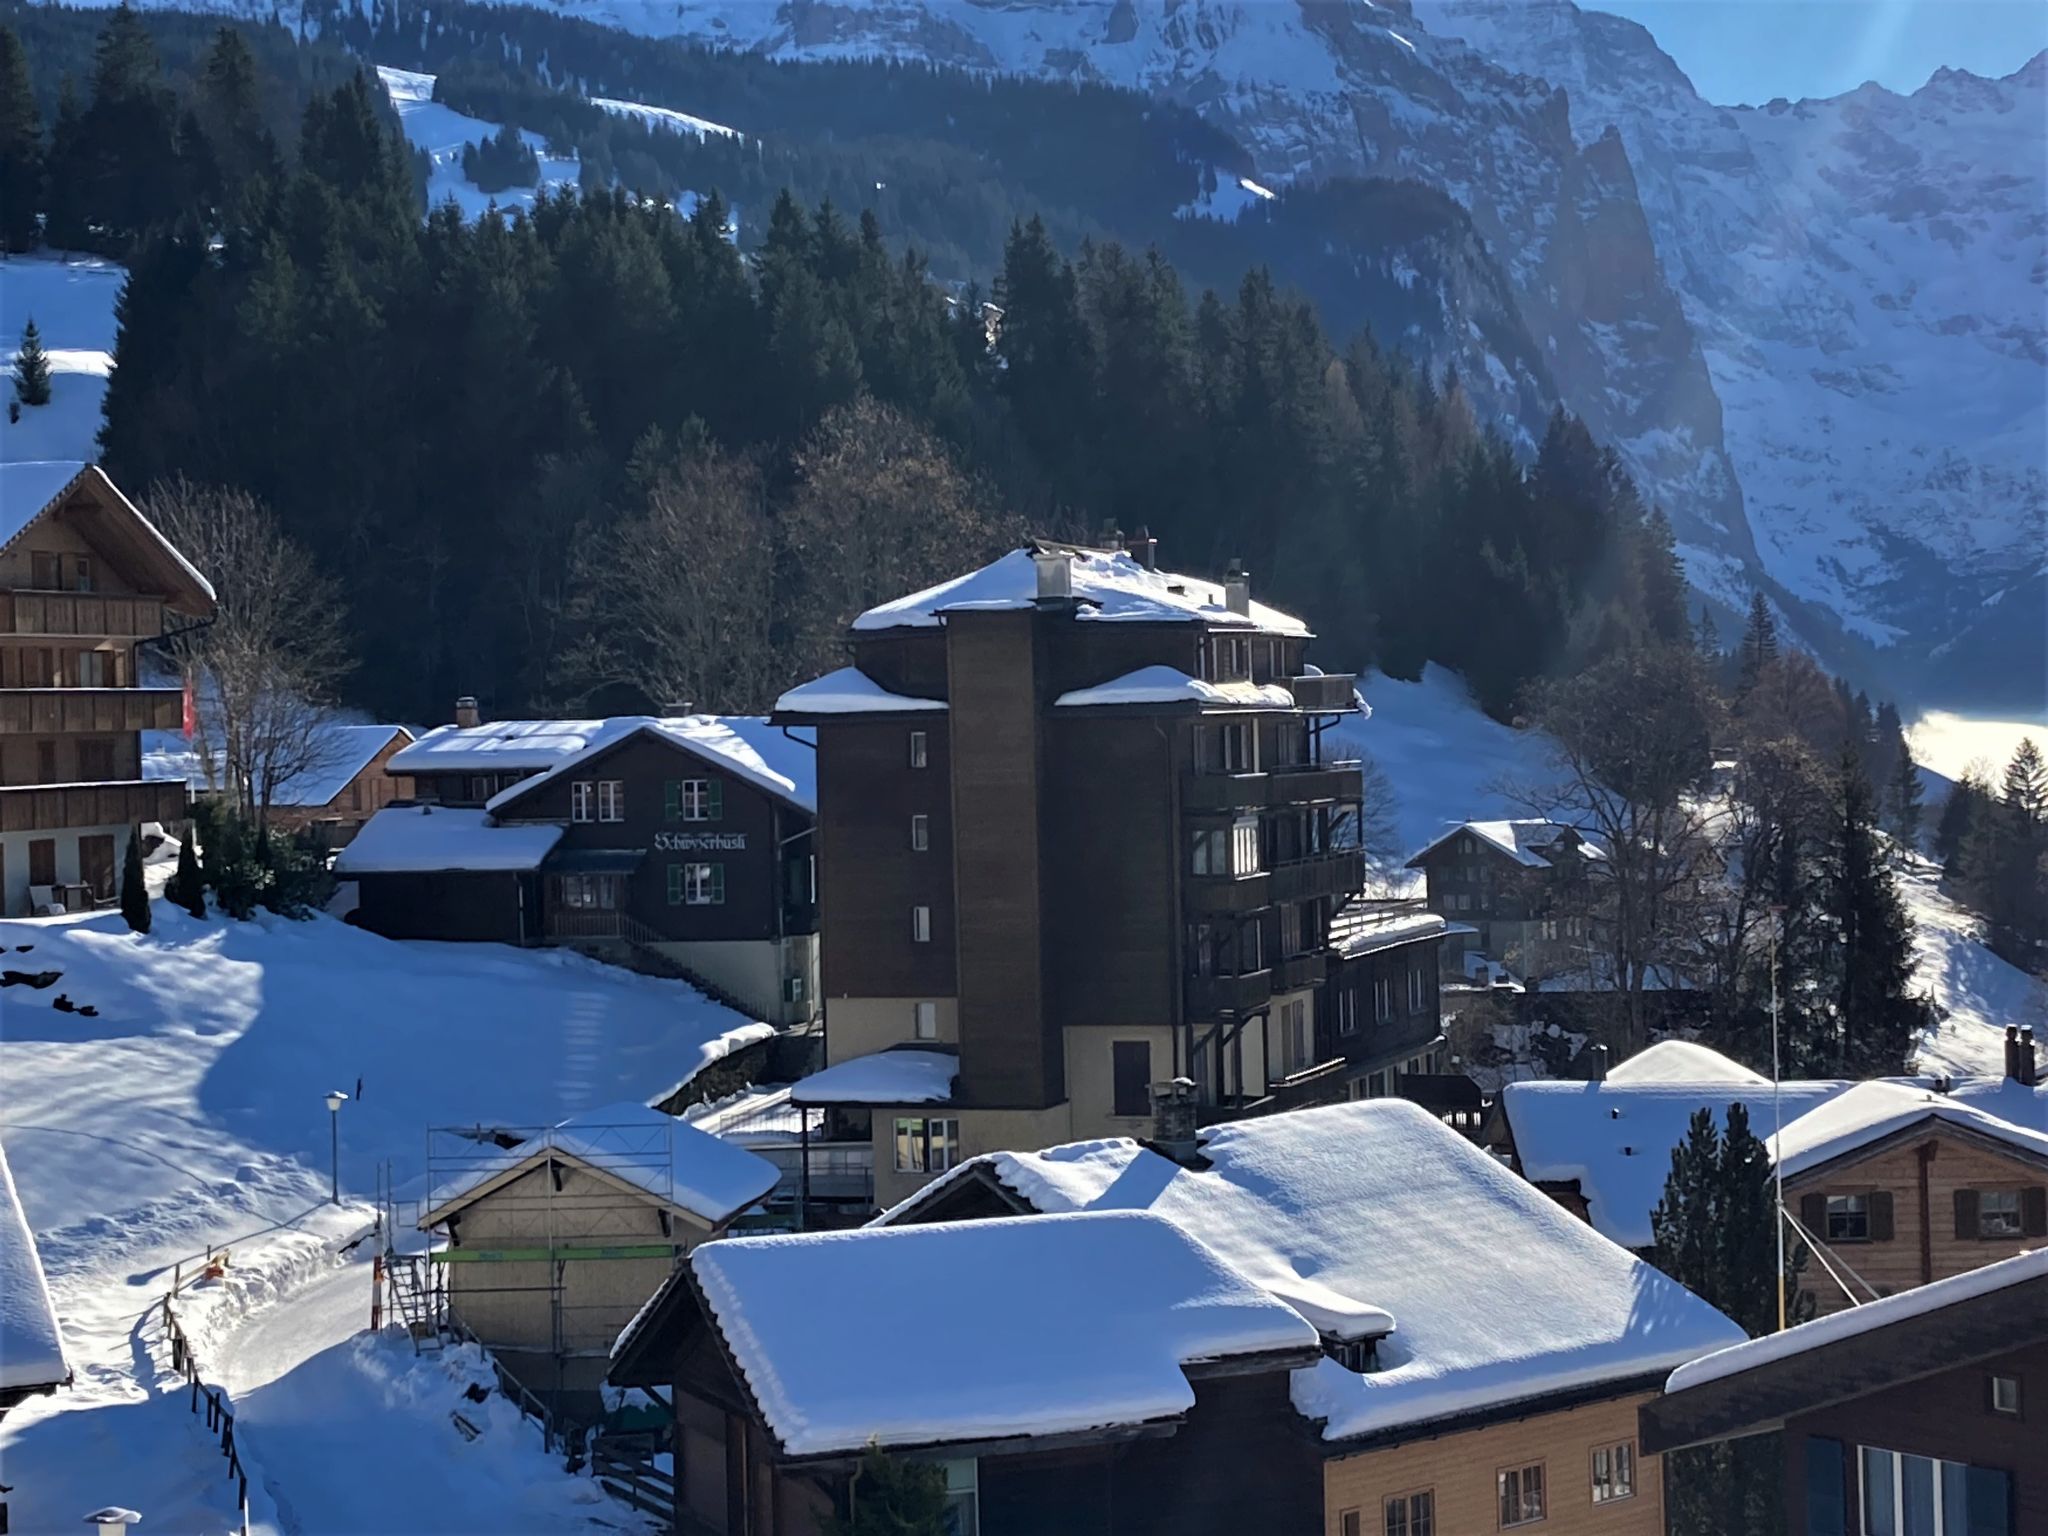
{"x":72,"y":303}
{"x":187,"y":1112}
{"x":442,"y":132}
{"x":1864,"y":274}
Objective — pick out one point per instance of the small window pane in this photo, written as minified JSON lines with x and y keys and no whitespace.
{"x":926,"y":1021}
{"x":1998,"y":1213}
{"x":2005,"y":1394}
{"x":918,"y":757}
{"x":920,"y":833}
{"x":921,"y":924}
{"x":1880,"y":1502}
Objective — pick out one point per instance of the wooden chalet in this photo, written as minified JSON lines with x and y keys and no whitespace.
{"x":86,"y":583}
{"x":1918,"y":1413}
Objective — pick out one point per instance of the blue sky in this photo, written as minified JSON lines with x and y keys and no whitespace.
{"x":1752,"y":50}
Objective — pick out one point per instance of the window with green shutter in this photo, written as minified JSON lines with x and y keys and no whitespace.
{"x":675,"y":885}
{"x":672,"y":800}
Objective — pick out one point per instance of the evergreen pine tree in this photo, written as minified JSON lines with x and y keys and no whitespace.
{"x":1759,"y":646}
{"x":1706,"y":640}
{"x":134,"y":893}
{"x":32,"y":368}
{"x":895,"y":1497}
{"x":1956,"y":827}
{"x":1905,"y":798}
{"x":2005,"y":873}
{"x":21,"y":148}
{"x":1877,"y":1019}
{"x":186,"y":888}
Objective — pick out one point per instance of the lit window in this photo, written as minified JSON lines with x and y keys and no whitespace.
{"x":925,"y":1020}
{"x":1521,"y":1494}
{"x":1848,"y":1219}
{"x":921,"y":925}
{"x":1412,"y":1514}
{"x":1614,"y":1472}
{"x":920,"y":833}
{"x":611,"y":800}
{"x":918,"y":752}
{"x":1244,"y":846}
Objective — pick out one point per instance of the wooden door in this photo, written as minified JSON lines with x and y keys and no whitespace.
{"x":96,"y":865}
{"x":42,"y":861}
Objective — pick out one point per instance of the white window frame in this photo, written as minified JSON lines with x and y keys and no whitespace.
{"x":611,"y":799}
{"x":703,"y":885}
{"x":583,"y":800}
{"x":1382,"y":998}
{"x":1415,"y":988}
{"x":2005,"y":1395}
{"x":1897,"y":1471}
{"x":1614,"y":1472}
{"x":924,"y":1021}
{"x":920,"y":750}
{"x":1244,"y":846}
{"x":963,"y":1496}
{"x":926,"y":1145}
{"x":1521,"y":1475}
{"x":920,"y":925}
{"x":694,"y":799}
{"x":1347,"y":1011}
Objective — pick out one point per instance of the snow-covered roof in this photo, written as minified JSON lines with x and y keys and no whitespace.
{"x":677,"y":1164}
{"x":980,"y":1330}
{"x":1165,"y":685}
{"x":31,"y":1341}
{"x":1366,"y":930}
{"x":1615,"y":1138}
{"x":2005,"y":1097}
{"x":746,"y":746}
{"x":883,"y":1077}
{"x":345,"y":750}
{"x":1870,"y":1112}
{"x":1375,"y":1216}
{"x":849,"y":691}
{"x":497,"y":746}
{"x":1108,"y":585}
{"x":758,"y":1115}
{"x":1683,"y":1061}
{"x":1524,"y":841}
{"x":430,"y":839}
{"x":1917,"y":1302}
{"x":29,"y":489}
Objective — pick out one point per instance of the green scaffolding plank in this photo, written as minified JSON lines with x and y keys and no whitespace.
{"x":540,"y":1255}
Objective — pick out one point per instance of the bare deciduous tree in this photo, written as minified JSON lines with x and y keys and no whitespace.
{"x":265,"y":670}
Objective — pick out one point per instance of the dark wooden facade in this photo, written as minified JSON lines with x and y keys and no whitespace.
{"x":460,"y":906}
{"x":1377,"y":1044}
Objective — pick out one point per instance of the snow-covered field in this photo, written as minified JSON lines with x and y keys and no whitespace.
{"x":188,"y":1113}
{"x":71,"y":301}
{"x":442,"y":132}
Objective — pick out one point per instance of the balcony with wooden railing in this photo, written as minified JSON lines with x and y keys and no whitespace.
{"x":101,"y":711}
{"x":127,"y":802}
{"x":1289,"y":784}
{"x":1209,"y":997}
{"x":1325,"y":693}
{"x":89,"y":614}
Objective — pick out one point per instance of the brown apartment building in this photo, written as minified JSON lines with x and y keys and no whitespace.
{"x":1078,"y":827}
{"x":85,"y":582}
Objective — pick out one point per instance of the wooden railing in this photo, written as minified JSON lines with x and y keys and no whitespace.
{"x":127,"y":802}
{"x":624,"y":1467}
{"x":80,"y":613}
{"x":218,"y":1419}
{"x":56,"y":711}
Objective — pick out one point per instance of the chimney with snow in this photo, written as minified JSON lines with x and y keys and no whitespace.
{"x":1145,"y":548}
{"x":1237,"y":588}
{"x":1055,"y":575}
{"x":1596,"y":1063}
{"x":1173,"y":1118}
{"x":2025,"y":1067}
{"x":466,"y":712}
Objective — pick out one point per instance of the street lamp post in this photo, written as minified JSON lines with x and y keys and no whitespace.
{"x":334,"y":1102}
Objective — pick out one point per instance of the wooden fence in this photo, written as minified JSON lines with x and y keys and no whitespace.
{"x":218,"y":1419}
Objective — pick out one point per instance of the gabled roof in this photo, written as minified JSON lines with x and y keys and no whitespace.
{"x":982,"y":1330}
{"x":1982,"y":1315}
{"x":31,"y":489}
{"x":1873,"y":1112}
{"x":1527,"y":841}
{"x":745,"y":746}
{"x":2005,"y":1097}
{"x":497,"y":746}
{"x":443,"y":839}
{"x":1684,"y":1061}
{"x":1109,"y":585}
{"x":31,"y":1340}
{"x":1375,"y":1219}
{"x":345,"y":750}
{"x":638,"y":1148}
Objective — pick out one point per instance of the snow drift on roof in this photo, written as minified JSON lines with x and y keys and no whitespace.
{"x":1523,"y":841}
{"x":883,"y":1077}
{"x":711,"y":1179}
{"x":1869,"y":1112}
{"x":497,"y":746}
{"x":1615,"y":1138}
{"x":1374,"y":1213}
{"x":746,"y":746}
{"x":848,"y":691}
{"x":2007,"y":1098}
{"x":1109,"y":586}
{"x":980,"y":1330}
{"x":31,"y":1342}
{"x":1917,"y":1302}
{"x":1165,"y":685}
{"x":1683,"y":1061}
{"x":1359,"y":930}
{"x":419,"y":840}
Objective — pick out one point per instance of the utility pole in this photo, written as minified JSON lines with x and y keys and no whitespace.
{"x":1777,"y":1123}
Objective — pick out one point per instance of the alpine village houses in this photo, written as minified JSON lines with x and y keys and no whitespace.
{"x":680,"y":844}
{"x":86,"y":582}
{"x":1082,"y":837}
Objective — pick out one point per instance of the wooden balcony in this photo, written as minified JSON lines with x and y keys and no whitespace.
{"x":1228,"y":893}
{"x":87,"y":614}
{"x":53,"y":807}
{"x":97,"y":711}
{"x":1209,"y":997}
{"x":1298,"y":971}
{"x":1326,"y":693}
{"x":1340,"y":872}
{"x":1296,"y":784}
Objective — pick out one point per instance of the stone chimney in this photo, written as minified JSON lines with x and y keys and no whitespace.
{"x":1173,"y":1118}
{"x":1055,"y":575}
{"x":1596,"y":1063}
{"x":2021,"y":1064}
{"x":1145,"y":548}
{"x":466,"y":714}
{"x":1237,"y":588}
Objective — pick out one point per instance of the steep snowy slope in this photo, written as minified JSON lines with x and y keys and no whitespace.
{"x":1865,"y":274}
{"x":72,"y":304}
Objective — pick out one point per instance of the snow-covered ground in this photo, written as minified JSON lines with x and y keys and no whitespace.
{"x":442,"y":132}
{"x":664,"y":117}
{"x":187,"y":1113}
{"x":71,"y":301}
{"x":1979,"y":992}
